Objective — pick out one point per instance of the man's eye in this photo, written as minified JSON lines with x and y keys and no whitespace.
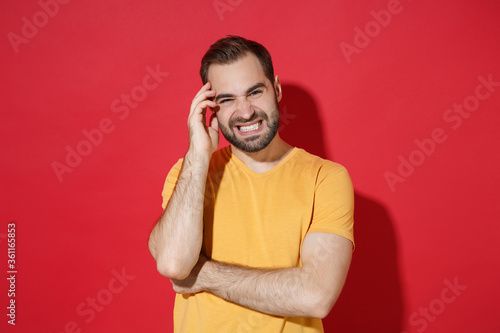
{"x":224,"y":101}
{"x":256,"y":93}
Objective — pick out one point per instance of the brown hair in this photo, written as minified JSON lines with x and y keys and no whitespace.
{"x":230,"y":49}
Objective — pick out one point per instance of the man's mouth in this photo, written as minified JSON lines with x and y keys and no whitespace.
{"x":250,"y":128}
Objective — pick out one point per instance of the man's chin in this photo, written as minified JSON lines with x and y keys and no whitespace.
{"x":249,"y":145}
{"x":252,"y":143}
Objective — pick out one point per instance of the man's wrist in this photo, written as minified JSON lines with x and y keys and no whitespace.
{"x":207,"y":275}
{"x":196,"y":159}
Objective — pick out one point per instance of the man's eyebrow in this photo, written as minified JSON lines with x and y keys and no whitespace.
{"x":221,"y":96}
{"x":249,"y":90}
{"x":255,"y":86}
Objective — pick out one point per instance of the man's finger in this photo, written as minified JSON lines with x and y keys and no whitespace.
{"x":205,"y":96}
{"x":201,"y":107}
{"x":205,"y":87}
{"x":214,"y":123}
{"x":202,"y":91}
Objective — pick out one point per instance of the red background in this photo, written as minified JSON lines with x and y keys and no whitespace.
{"x":364,"y":111}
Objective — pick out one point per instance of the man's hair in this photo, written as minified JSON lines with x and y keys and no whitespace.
{"x":230,"y":49}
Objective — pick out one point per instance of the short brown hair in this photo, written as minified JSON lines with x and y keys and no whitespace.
{"x":230,"y":49}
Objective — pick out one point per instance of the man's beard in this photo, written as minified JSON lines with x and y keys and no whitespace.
{"x":253,"y":143}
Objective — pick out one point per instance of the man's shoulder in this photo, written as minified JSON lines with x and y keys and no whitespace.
{"x":303,"y":157}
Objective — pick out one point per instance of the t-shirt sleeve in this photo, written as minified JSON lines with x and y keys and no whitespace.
{"x":170,"y":181}
{"x":333,"y":202}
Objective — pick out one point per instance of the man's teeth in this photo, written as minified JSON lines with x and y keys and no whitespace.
{"x":250,"y":128}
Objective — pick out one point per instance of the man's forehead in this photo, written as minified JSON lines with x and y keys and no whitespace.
{"x":240,"y":74}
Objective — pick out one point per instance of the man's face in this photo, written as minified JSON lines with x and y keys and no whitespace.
{"x":248,"y":111}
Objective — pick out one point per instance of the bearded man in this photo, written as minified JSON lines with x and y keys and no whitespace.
{"x":256,"y":236}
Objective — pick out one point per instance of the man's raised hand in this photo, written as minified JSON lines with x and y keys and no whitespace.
{"x":203,"y":138}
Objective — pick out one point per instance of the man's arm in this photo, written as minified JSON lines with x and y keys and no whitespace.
{"x":307,"y":291}
{"x":175,"y":241}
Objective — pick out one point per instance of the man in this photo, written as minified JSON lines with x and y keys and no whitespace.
{"x":256,"y":236}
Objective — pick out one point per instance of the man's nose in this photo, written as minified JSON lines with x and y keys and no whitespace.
{"x":244,"y":108}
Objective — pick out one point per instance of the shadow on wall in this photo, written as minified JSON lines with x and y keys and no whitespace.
{"x":371,"y":300}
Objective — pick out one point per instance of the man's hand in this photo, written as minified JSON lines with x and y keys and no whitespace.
{"x":203,"y":138}
{"x":192,"y":283}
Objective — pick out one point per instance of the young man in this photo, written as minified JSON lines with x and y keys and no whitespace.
{"x":256,"y":236}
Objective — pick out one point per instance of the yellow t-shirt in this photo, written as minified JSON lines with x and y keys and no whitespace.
{"x":260,"y":220}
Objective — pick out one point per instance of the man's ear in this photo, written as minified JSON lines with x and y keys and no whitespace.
{"x":277,"y":88}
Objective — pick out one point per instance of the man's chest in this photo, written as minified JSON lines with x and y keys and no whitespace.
{"x":260,"y":223}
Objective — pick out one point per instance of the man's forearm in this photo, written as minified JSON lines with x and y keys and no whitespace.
{"x":307,"y":291}
{"x":176,"y":239}
{"x":291,"y":292}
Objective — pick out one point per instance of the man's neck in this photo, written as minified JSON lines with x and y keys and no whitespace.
{"x":265,"y":159}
